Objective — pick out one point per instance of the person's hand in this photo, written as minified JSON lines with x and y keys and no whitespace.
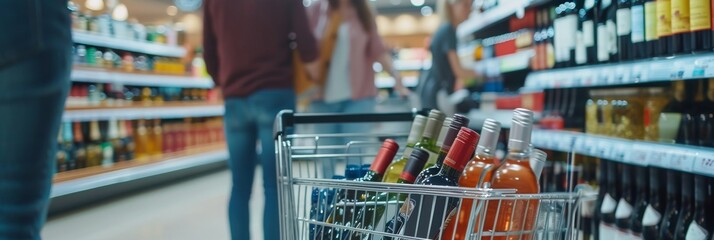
{"x":399,"y":87}
{"x":458,"y":85}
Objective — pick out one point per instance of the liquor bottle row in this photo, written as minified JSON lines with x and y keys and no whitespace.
{"x":110,"y":59}
{"x":82,"y":94}
{"x":105,"y":25}
{"x":682,"y":113}
{"x":442,"y":152}
{"x":89,"y":144}
{"x":579,"y":32}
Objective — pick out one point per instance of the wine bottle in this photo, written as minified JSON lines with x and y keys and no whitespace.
{"x":652,"y":218}
{"x":702,"y":226}
{"x":428,"y":138}
{"x":565,"y":25}
{"x":602,"y":191}
{"x":142,"y":140}
{"x":396,"y":167}
{"x":452,"y":131}
{"x":128,"y":140}
{"x":68,"y":146}
{"x":686,"y":212}
{"x":376,"y":169}
{"x":623,"y":213}
{"x":664,"y":27}
{"x":606,"y":32}
{"x":671,"y":116}
{"x":587,"y":28}
{"x":61,"y":157}
{"x":432,"y":210}
{"x":516,"y":216}
{"x":110,"y":144}
{"x":624,"y":29}
{"x":94,"y":148}
{"x":642,"y":177}
{"x":638,"y":29}
{"x":371,"y":216}
{"x":549,"y":40}
{"x":706,"y":117}
{"x":442,"y":133}
{"x":80,"y":150}
{"x":608,"y":207}
{"x":671,"y":214}
{"x":476,"y":172}
{"x":537,"y":43}
{"x":681,"y":33}
{"x":651,"y":37}
{"x":700,"y":23}
{"x":689,"y":125}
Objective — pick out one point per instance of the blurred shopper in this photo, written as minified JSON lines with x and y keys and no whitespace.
{"x":446,"y":74}
{"x":248,"y":54}
{"x":35,"y":63}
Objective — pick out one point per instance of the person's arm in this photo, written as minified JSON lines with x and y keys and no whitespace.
{"x":461,"y":73}
{"x":210,"y":53}
{"x":378,"y":52}
{"x":305,"y":39}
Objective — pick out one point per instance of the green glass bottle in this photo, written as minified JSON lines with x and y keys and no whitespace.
{"x":450,"y":133}
{"x":430,"y":135}
{"x":396,"y":167}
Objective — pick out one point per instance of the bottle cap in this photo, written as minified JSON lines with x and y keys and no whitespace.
{"x":433,"y":125}
{"x":385,"y":156}
{"x":444,"y":129}
{"x":489,"y":136}
{"x":521,"y":128}
{"x":537,"y":161}
{"x":417,"y":129}
{"x":462,"y":149}
{"x":456,"y":124}
{"x":414,"y":165}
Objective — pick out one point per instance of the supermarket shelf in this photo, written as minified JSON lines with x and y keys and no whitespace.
{"x":81,"y":191}
{"x":388,"y":82}
{"x":127,"y":45}
{"x":412,"y":65}
{"x":130,"y":113}
{"x":684,"y":158}
{"x":509,"y":63}
{"x":504,"y":10}
{"x":80,"y":74}
{"x":478,"y":116}
{"x":695,"y":66}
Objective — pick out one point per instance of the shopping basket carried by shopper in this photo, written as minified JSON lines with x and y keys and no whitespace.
{"x":316,"y":203}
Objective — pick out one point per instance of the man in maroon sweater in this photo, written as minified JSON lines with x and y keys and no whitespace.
{"x":248,"y":53}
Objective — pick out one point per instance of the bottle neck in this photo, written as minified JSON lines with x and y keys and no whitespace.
{"x":450,"y":172}
{"x":518,"y":157}
{"x":428,"y":144}
{"x":372,"y":176}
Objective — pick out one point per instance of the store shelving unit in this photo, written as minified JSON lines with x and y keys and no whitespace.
{"x":477,"y":22}
{"x":412,"y":65}
{"x":684,"y":158}
{"x":504,"y":64}
{"x":83,"y":186}
{"x":98,"y":75}
{"x":694,"y":66}
{"x":98,"y":40}
{"x":180,"y":110}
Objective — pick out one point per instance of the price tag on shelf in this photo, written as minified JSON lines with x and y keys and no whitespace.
{"x":620,"y":149}
{"x":637,"y":154}
{"x":704,"y":163}
{"x":565,"y":143}
{"x":591,"y":147}
{"x":604,"y":147}
{"x":655,"y":156}
{"x":622,"y":75}
{"x":637,"y":72}
{"x":682,"y":160}
{"x":677,"y":70}
{"x":579,"y":145}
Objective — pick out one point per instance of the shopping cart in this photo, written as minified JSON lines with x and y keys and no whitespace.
{"x":305,"y":214}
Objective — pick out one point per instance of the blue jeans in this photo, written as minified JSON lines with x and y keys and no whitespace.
{"x":35,"y":62}
{"x":248,"y":120}
{"x":366,"y":105}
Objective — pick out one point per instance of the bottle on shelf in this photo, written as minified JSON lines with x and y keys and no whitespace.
{"x":80,"y":150}
{"x":642,"y":200}
{"x":433,"y":210}
{"x":664,"y":27}
{"x":607,"y":228}
{"x":442,"y":133}
{"x":431,"y":133}
{"x":651,"y":35}
{"x":538,"y":39}
{"x":156,"y":137}
{"x":565,"y":25}
{"x":67,"y":147}
{"x":373,"y":216}
{"x":700,"y":23}
{"x":652,"y":218}
{"x":624,"y":30}
{"x":110,"y":144}
{"x":142,"y":140}
{"x":516,"y":173}
{"x":450,"y":133}
{"x":587,"y":14}
{"x":94,"y":148}
{"x":637,"y":12}
{"x":686,"y":212}
{"x":396,"y":167}
{"x":689,"y":125}
{"x":681,"y":33}
{"x":706,"y":117}
{"x":549,"y":58}
{"x":702,"y":225}
{"x":623,"y":213}
{"x":670,"y":118}
{"x":61,"y":157}
{"x":668,"y":223}
{"x":606,"y":32}
{"x":477,"y":171}
{"x":126,"y":148}
{"x":603,"y":190}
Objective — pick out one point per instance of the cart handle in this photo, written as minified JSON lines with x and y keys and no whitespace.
{"x":288,"y":119}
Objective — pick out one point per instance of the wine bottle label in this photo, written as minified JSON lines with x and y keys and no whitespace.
{"x":580,"y":50}
{"x":650,"y":21}
{"x":558,"y":38}
{"x":612,"y":36}
{"x":651,"y":216}
{"x":608,"y":204}
{"x":624,"y":209}
{"x":664,"y":16}
{"x":680,"y":16}
{"x":696,"y":232}
{"x":571,"y":24}
{"x":396,"y":224}
{"x":431,"y":213}
{"x":603,"y":47}
{"x":700,"y":15}
{"x":638,"y":23}
{"x":589,"y":33}
{"x":624,"y":21}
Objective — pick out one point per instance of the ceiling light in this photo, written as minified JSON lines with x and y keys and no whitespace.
{"x":427,"y":11}
{"x":417,"y":3}
{"x":95,"y":5}
{"x":172,"y":10}
{"x":120,"y":13}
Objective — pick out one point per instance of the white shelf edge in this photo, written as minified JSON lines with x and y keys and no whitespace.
{"x":138,"y":79}
{"x":477,"y":22}
{"x":685,"y":67}
{"x":495,"y":66}
{"x":94,"y":39}
{"x":478,"y":116}
{"x":412,"y":65}
{"x":692,"y":159}
{"x":388,"y":82}
{"x":135,"y":173}
{"x":143,"y":113}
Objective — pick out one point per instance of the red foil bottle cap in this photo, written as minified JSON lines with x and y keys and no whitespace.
{"x":463,"y":148}
{"x":385,"y":156}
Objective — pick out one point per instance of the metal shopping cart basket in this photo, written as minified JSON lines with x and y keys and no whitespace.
{"x":308,"y":210}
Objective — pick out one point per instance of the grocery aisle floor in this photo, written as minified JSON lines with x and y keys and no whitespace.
{"x":191,"y":209}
